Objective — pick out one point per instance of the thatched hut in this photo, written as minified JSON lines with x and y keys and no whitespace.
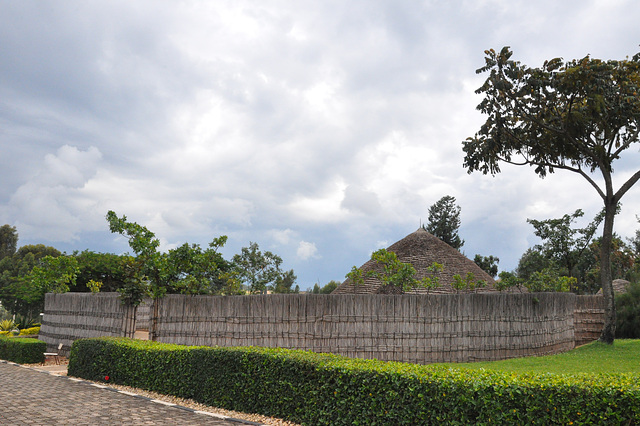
{"x":421,"y":249}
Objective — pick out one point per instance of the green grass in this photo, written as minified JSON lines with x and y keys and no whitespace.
{"x":595,"y":358}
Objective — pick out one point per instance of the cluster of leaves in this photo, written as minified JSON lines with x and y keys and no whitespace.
{"x":22,"y":350}
{"x":310,"y":388}
{"x":467,"y":283}
{"x":444,"y":221}
{"x":325,"y":289}
{"x":546,"y":280}
{"x":29,"y":272}
{"x":489,"y":264}
{"x":573,"y":255}
{"x":628,"y":313}
{"x":391,"y":271}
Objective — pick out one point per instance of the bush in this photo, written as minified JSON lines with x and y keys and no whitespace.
{"x":22,"y":350}
{"x":318,"y":389}
{"x":628,"y":313}
{"x":30,"y":331}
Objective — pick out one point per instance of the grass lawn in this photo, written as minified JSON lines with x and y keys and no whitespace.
{"x":621,"y":357}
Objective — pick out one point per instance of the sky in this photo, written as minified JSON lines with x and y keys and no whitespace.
{"x":321,"y":130}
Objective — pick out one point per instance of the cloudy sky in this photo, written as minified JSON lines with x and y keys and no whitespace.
{"x":322,"y":130}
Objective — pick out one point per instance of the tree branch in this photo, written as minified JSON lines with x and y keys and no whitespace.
{"x":627,"y":185}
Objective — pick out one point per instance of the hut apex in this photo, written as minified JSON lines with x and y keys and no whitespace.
{"x":421,"y":249}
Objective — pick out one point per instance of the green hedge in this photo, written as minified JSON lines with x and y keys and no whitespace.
{"x":22,"y":350}
{"x":318,"y":389}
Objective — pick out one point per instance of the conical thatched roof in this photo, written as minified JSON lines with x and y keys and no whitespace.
{"x":421,"y":249}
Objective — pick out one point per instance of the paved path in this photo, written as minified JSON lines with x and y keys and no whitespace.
{"x":30,"y":397}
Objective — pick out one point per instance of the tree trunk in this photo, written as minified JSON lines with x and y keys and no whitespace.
{"x":153,"y":321}
{"x":609,"y":330}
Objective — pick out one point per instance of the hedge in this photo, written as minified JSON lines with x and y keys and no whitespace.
{"x":317,"y":389}
{"x":22,"y":350}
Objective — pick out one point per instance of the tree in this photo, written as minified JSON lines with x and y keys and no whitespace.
{"x":106,"y":268}
{"x":258,"y":270}
{"x":187,"y":269}
{"x":52,"y":274}
{"x":15,"y":289}
{"x":284,"y":283}
{"x":444,"y":221}
{"x":533,"y":261}
{"x":578,"y":116}
{"x":566,"y":247}
{"x":327,"y":288}
{"x":392,"y":272}
{"x":489,"y":264}
{"x":8,"y":240}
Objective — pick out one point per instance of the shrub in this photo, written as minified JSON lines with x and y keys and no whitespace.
{"x":628,"y":313}
{"x":30,"y":331}
{"x":318,"y":389}
{"x":22,"y":350}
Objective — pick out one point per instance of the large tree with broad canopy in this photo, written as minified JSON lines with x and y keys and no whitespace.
{"x":578,"y":116}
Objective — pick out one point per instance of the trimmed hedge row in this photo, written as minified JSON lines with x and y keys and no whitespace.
{"x":318,"y":389}
{"x":22,"y":350}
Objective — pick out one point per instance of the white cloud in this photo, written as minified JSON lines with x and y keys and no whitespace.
{"x":306,"y":250}
{"x":338,"y":121}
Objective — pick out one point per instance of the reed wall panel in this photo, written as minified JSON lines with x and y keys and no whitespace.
{"x":72,"y":316}
{"x":588,"y":318}
{"x":411,"y":328}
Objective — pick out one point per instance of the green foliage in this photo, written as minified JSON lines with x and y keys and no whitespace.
{"x":628,"y":313}
{"x":187,"y":269}
{"x":325,"y":289}
{"x":285,"y":282}
{"x":538,"y":281}
{"x":260,"y":271}
{"x":94,"y":286}
{"x":578,"y":116}
{"x":22,"y":350}
{"x":444,"y":221}
{"x":532,"y":261}
{"x":31,"y":331}
{"x":8,"y":241}
{"x":317,"y":389}
{"x":8,"y":325}
{"x":106,"y":268}
{"x":509,"y":280}
{"x":549,"y":280}
{"x":53,"y":274}
{"x":489,"y":264}
{"x":468,"y":282}
{"x":391,"y":271}
{"x":17,"y":294}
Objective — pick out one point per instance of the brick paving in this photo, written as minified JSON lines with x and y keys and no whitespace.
{"x":30,"y":397}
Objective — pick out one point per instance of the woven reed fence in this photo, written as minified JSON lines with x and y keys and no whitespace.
{"x":72,"y":316}
{"x":410,"y":328}
{"x":588,"y":318}
{"x":143,"y":314}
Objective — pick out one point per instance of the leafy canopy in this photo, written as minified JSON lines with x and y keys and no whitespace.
{"x":579,"y":116}
{"x":444,"y":221}
{"x":391,"y":271}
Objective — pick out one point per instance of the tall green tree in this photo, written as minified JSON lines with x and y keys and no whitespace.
{"x":579,"y":116}
{"x":444,"y":221}
{"x":489,"y":264}
{"x":567,"y":247}
{"x":259,"y":270}
{"x":187,"y":269}
{"x":8,"y":240}
{"x":16,"y":289}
